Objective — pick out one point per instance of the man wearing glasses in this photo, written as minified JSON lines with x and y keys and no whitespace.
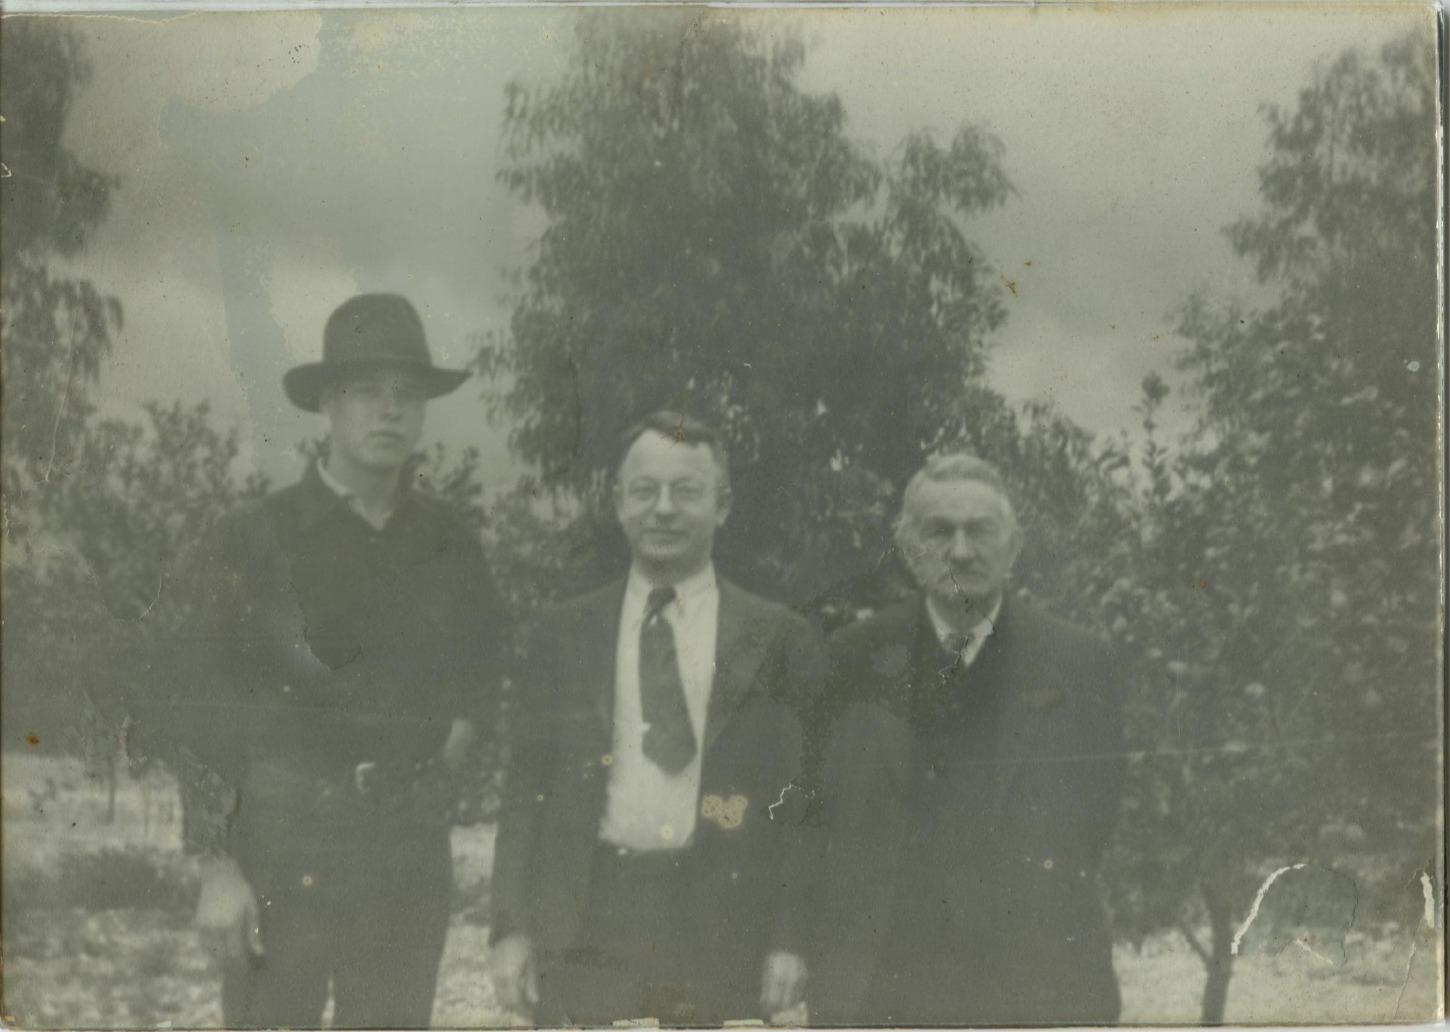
{"x":644,"y":866}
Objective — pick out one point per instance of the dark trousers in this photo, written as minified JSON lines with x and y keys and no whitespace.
{"x":354,"y":899}
{"x":640,"y":954}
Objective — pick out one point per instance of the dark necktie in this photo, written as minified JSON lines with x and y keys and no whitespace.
{"x":669,"y":740}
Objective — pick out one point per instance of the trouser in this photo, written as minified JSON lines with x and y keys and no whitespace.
{"x":639,"y":954}
{"x":350,"y":898}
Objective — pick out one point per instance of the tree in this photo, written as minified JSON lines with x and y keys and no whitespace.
{"x":54,"y":329}
{"x":716,"y":244}
{"x":105,"y":511}
{"x":1281,"y":591}
{"x":91,"y":619}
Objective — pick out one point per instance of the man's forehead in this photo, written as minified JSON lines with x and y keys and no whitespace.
{"x":958,"y":499}
{"x":656,"y":455}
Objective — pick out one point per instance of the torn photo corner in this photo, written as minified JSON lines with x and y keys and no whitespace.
{"x":670,"y":515}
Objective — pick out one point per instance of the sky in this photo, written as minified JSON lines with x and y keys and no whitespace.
{"x":272,"y":164}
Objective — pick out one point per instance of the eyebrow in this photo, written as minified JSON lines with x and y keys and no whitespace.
{"x":939,"y":522}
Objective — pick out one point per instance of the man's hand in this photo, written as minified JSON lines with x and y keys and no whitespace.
{"x":459,"y":744}
{"x":228,"y":907}
{"x":515,"y":974}
{"x":783,"y":985}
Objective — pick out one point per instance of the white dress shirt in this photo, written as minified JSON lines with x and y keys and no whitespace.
{"x":645,"y":807}
{"x":976,"y":637}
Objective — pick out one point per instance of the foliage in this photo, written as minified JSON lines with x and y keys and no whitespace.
{"x":95,"y":511}
{"x":54,"y":329}
{"x":453,"y":480}
{"x":538,"y":545}
{"x":1271,"y":582}
{"x":90,"y":620}
{"x":716,"y":244}
{"x":1283,"y":586}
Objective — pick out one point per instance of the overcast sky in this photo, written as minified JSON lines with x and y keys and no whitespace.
{"x":273,"y":164}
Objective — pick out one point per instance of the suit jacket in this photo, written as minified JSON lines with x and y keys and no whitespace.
{"x":1055,"y":781}
{"x":747,"y":840}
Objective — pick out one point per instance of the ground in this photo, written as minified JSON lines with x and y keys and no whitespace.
{"x":97,"y":905}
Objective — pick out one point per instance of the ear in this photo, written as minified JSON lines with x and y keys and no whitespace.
{"x":722,"y":510}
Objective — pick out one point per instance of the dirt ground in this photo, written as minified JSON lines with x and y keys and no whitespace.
{"x":97,"y":934}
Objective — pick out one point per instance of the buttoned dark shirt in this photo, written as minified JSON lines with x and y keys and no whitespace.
{"x":318,"y":637}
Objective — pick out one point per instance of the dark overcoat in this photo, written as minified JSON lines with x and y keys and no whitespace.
{"x":1031,"y":842}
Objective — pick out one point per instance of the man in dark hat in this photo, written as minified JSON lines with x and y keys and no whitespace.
{"x":344,"y":641}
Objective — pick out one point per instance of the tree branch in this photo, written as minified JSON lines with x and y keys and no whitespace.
{"x":1193,"y":941}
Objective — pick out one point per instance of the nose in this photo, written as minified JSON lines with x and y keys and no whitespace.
{"x":665,"y":503}
{"x":960,"y":549}
{"x":392,"y":407}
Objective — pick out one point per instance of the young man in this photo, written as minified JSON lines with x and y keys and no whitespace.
{"x":344,"y":640}
{"x":970,"y":788}
{"x":644,"y":866}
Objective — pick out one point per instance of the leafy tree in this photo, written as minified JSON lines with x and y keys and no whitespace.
{"x":95,"y":616}
{"x":1281,"y":588}
{"x":91,"y":619}
{"x":1272,"y":582}
{"x":53,"y":334}
{"x":54,"y":329}
{"x":715,"y":243}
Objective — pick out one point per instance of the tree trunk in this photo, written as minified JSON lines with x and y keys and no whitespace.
{"x":1220,"y":961}
{"x":112,"y":776}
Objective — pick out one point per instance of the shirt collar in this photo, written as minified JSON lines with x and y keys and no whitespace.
{"x":946,"y":633}
{"x":349,"y":496}
{"x":692,"y":587}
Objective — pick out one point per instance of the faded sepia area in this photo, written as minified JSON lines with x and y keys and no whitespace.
{"x":1174,"y":271}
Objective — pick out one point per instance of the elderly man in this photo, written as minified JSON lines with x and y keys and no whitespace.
{"x":970,"y":787}
{"x":343,"y":639}
{"x":651,"y":808}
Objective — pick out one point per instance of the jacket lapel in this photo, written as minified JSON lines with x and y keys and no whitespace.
{"x":894,"y":657}
{"x":596,"y":643}
{"x":1027,"y":705}
{"x":742,"y":638}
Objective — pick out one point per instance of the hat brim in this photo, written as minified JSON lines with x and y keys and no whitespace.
{"x":303,"y":385}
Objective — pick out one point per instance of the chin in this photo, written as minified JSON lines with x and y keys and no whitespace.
{"x":382,"y":461}
{"x":661,"y":557}
{"x":956,"y":595}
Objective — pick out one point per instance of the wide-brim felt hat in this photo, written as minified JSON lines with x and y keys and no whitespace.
{"x":367,"y":332}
